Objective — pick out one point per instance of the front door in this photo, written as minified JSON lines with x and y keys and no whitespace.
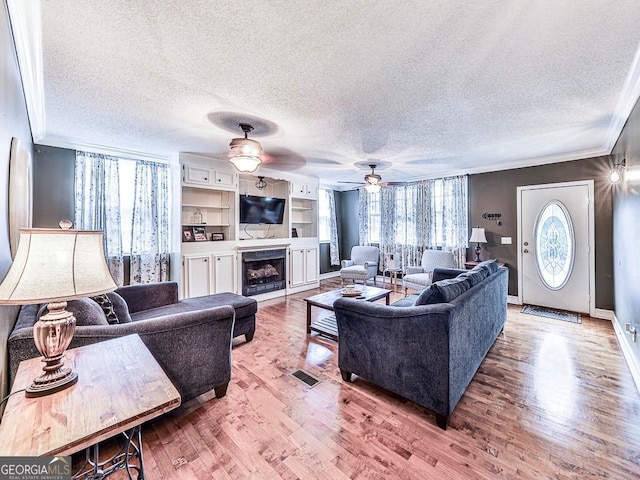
{"x":554,"y":250}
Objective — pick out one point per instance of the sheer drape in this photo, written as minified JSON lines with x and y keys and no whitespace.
{"x":334,"y":250}
{"x":363,"y":217}
{"x":97,"y":204}
{"x":431,"y":214}
{"x":150,"y":224}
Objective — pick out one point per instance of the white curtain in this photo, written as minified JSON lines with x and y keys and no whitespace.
{"x":334,"y":250}
{"x":150,"y":224}
{"x":97,"y":204}
{"x":431,"y":214}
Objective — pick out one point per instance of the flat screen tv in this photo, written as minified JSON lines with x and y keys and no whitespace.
{"x":255,"y":210}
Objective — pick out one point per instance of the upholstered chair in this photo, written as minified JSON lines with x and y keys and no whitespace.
{"x":417,"y":278}
{"x":362,"y":266}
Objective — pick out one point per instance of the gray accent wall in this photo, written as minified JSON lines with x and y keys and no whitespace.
{"x":53,"y":185}
{"x":626,"y":232}
{"x":347,"y":212}
{"x":496,"y":192}
{"x":14,"y":122}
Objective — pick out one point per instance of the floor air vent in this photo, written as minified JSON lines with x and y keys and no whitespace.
{"x":304,"y":377}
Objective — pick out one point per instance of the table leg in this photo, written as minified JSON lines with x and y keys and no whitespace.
{"x":386,"y":298}
{"x":308,"y":318}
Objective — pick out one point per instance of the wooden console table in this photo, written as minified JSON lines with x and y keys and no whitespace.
{"x":120,"y":386}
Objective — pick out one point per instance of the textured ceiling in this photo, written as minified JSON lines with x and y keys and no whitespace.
{"x":428,"y":87}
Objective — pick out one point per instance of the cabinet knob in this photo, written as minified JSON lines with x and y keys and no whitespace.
{"x":206,"y":259}
{"x":206,"y":178}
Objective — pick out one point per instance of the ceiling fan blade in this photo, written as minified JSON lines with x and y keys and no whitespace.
{"x":357,"y":183}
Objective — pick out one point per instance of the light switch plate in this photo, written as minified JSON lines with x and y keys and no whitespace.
{"x":505,"y":240}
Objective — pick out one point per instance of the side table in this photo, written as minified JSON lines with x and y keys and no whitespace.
{"x":393,"y":277}
{"x":120,"y":386}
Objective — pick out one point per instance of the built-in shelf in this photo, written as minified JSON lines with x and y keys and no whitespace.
{"x":301,"y":208}
{"x":205,"y":224}
{"x":200,"y":205}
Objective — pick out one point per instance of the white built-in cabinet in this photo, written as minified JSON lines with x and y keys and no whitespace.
{"x":206,"y":274}
{"x":209,"y":207}
{"x":204,"y":176}
{"x":303,"y":266}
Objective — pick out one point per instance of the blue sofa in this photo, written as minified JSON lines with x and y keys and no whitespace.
{"x":426,"y":347}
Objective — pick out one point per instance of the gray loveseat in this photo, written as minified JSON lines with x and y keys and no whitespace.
{"x":426,"y":347}
{"x":190,"y":339}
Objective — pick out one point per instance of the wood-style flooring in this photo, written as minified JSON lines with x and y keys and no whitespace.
{"x":552,"y":400}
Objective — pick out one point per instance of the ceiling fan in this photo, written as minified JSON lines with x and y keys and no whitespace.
{"x":373,"y":182}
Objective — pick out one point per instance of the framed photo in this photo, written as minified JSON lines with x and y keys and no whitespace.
{"x":187,"y":234}
{"x":216,"y":237}
{"x":294,"y":233}
{"x":199,"y":234}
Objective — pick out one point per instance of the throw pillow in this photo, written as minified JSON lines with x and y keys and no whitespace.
{"x":107,"y":307}
{"x":491,"y":266}
{"x":452,"y":287}
{"x":429,"y":296}
{"x":474,"y":276}
{"x":86,"y":311}
{"x":120,"y":307}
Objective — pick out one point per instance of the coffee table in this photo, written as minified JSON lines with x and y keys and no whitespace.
{"x":327,"y":325}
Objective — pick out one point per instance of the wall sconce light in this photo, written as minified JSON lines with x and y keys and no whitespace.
{"x":493,"y":216}
{"x":615,"y":175}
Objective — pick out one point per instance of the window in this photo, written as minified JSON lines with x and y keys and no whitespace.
{"x":127,"y":180}
{"x":324,"y":215}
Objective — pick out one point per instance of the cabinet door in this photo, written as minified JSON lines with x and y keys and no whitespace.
{"x":197,"y":175}
{"x":197,"y":275}
{"x":311,"y":264}
{"x":225,"y":273}
{"x":312,"y":191}
{"x":298,"y":189}
{"x":296,"y":265}
{"x":226,"y":179}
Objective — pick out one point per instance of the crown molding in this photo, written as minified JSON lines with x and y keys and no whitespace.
{"x":627,"y":100}
{"x":26,"y":27}
{"x":59,"y":142}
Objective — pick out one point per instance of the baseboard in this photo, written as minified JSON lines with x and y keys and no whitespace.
{"x":632,"y":362}
{"x":324,"y":276}
{"x":603,"y":314}
{"x":513,"y":299}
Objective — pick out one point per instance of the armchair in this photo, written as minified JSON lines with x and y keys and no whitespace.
{"x":417,"y":278}
{"x":362,"y":266}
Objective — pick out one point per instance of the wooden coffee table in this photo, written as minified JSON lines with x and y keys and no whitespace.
{"x":327,"y":325}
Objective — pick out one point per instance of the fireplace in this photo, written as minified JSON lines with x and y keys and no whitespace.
{"x":263,"y":271}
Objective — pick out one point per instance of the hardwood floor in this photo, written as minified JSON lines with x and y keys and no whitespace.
{"x":551,"y":400}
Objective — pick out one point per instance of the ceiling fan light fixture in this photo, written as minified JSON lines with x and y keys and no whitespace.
{"x":245,"y":153}
{"x":372,"y":187}
{"x":245,"y":164}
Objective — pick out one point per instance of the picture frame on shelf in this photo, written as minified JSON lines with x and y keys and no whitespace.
{"x":187,"y":234}
{"x":294,"y":233}
{"x":217,"y":237}
{"x":199,"y":234}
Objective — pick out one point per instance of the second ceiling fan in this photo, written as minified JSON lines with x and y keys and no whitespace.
{"x":373,"y":182}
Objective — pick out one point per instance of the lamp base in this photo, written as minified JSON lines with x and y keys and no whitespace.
{"x":52,"y":334}
{"x":51,"y":383}
{"x":477,"y":250}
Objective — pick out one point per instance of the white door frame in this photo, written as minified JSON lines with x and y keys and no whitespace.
{"x":592,"y":249}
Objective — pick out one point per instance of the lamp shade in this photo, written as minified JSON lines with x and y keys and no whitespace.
{"x":372,"y":187}
{"x":56,"y":265}
{"x":477,"y":235}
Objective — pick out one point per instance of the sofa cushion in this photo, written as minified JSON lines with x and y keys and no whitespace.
{"x":475,"y":276}
{"x":452,"y":287}
{"x":86,"y":311}
{"x":429,"y":295}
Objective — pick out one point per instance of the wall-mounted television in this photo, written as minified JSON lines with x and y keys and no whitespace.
{"x":256,"y":210}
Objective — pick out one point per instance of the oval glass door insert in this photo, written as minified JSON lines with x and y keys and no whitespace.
{"x":555,"y":247}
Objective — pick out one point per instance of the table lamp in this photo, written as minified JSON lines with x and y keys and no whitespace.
{"x":477,"y":235}
{"x":54,"y":266}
